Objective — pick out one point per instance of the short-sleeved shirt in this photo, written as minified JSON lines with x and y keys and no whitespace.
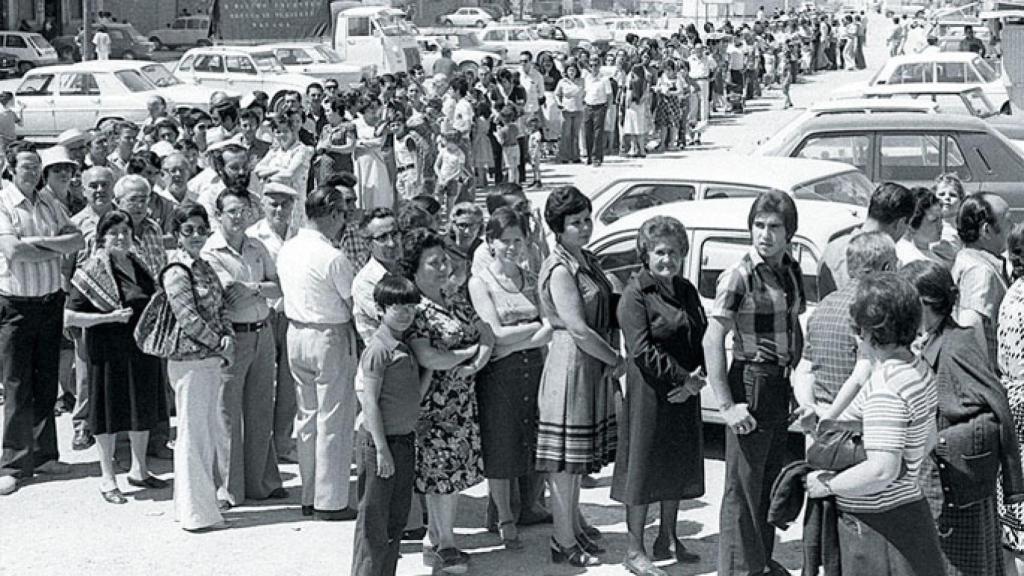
{"x":272,"y":242}
{"x":364,"y":308}
{"x":24,"y":219}
{"x":765,"y":304}
{"x":831,"y":345}
{"x":981,"y":280}
{"x":832,"y":273}
{"x":317,"y":282}
{"x":149,"y":246}
{"x":897,"y":408}
{"x":252,"y":264}
{"x":389,"y":362}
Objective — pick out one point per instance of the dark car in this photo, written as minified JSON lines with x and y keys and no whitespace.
{"x":125,"y":44}
{"x":8,"y":65}
{"x":913,"y":149}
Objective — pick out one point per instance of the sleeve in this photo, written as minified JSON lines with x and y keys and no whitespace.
{"x":177,"y":283}
{"x":213,"y":260}
{"x":269,"y":266}
{"x":342,"y":276}
{"x":373,"y":363}
{"x":729,"y":294}
{"x":364,"y":310}
{"x":7,"y":224}
{"x":659,"y":370}
{"x":978,"y":289}
{"x":886,"y":418}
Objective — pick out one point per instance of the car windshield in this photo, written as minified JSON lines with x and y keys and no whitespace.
{"x":393,"y":25}
{"x":980,"y":105}
{"x":985,"y":70}
{"x":268,"y":62}
{"x":324,"y":54}
{"x":593,"y":21}
{"x":848,"y":188}
{"x":159,"y":76}
{"x":131,"y":31}
{"x":39,"y":42}
{"x":133,"y":81}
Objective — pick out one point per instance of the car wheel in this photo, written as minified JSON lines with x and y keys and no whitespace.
{"x":203,"y":42}
{"x":24,"y":67}
{"x":67,"y":54}
{"x":1006,"y":109}
{"x":480,"y":24}
{"x":157,"y":44}
{"x":449,"y":22}
{"x":128,"y":56}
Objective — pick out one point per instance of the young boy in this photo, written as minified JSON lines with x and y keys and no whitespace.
{"x":449,"y":167}
{"x":390,"y":400}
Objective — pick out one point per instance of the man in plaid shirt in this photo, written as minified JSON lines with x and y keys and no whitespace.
{"x":759,"y":300}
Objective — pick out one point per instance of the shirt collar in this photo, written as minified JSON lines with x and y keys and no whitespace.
{"x":566,"y":258}
{"x":933,"y":345}
{"x":757,"y":260}
{"x":384,"y":335}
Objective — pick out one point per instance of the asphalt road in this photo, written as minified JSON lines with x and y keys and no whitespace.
{"x":63,"y":526}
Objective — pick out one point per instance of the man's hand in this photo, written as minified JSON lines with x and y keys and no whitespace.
{"x":121,"y":315}
{"x":679,"y":394}
{"x":738,"y":418}
{"x":808,"y":418}
{"x":385,"y":463}
{"x":235,"y":292}
{"x":815,"y":487}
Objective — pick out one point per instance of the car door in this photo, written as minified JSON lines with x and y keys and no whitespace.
{"x":208,"y":70}
{"x":242,"y":75}
{"x":996,"y":166}
{"x":854,"y":148}
{"x":78,"y":101}
{"x":17,"y":45}
{"x":37,"y":94}
{"x":177,"y":34}
{"x":117,"y":100}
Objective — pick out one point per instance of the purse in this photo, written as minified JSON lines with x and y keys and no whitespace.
{"x":157,"y":332}
{"x":838,"y":445}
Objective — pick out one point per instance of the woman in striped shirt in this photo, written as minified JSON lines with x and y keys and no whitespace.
{"x":885,"y":525}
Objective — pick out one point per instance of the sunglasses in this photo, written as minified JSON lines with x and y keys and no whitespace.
{"x":189,"y":231}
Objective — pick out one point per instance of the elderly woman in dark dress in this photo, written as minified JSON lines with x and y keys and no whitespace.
{"x":108,"y":293}
{"x":576,"y":426}
{"x":659,"y":458}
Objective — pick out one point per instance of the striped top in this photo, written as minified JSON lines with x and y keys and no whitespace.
{"x":24,"y":219}
{"x":898,"y":407}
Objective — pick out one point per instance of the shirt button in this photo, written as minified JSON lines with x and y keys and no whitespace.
{"x":942,"y":466}
{"x":942,"y":440}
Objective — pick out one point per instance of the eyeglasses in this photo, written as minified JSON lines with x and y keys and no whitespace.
{"x":235,"y":213}
{"x":385,"y":236}
{"x":188,"y":231}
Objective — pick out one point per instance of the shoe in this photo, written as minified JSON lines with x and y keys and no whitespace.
{"x":452,"y":561}
{"x":8,"y":485}
{"x":593,"y":533}
{"x":54,"y":468}
{"x":223,"y":505}
{"x":290,"y":457}
{"x":588,"y":545}
{"x":431,"y":559}
{"x":64,"y":405}
{"x":343,"y":515}
{"x":222,"y":525}
{"x":279,"y":493}
{"x":415,"y":535}
{"x":597,"y":163}
{"x":664,"y":551}
{"x":161,"y":453}
{"x":535,"y":517}
{"x":150,"y":482}
{"x":574,"y":556}
{"x":114,"y":496}
{"x":642,"y":566}
{"x":82,"y":441}
{"x":307,"y":510}
{"x":510,"y":536}
{"x":775,"y":569}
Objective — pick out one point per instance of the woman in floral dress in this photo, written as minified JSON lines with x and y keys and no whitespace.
{"x":449,"y":339}
{"x":1011,"y":369}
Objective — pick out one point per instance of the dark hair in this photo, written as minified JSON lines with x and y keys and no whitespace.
{"x":337,"y":104}
{"x":887,"y":308}
{"x":184,"y":145}
{"x":248,"y":114}
{"x":167,"y":123}
{"x":239,"y":192}
{"x":324,"y":201}
{"x":343,"y":179}
{"x":924,"y":199}
{"x":378,"y":213}
{"x":411,"y":217}
{"x":140,"y":160}
{"x":890,"y":202}
{"x":526,"y":53}
{"x":229,"y":111}
{"x":562,"y":203}
{"x":657,"y":228}
{"x":18,"y":147}
{"x":428,"y":203}
{"x":183,"y":212}
{"x":1015,"y":250}
{"x":393,"y":290}
{"x":314,"y":85}
{"x":460,"y":85}
{"x":414,"y":243}
{"x":503,"y":219}
{"x":775,"y":202}
{"x":934,"y":285}
{"x":108,"y":221}
{"x":975,"y":212}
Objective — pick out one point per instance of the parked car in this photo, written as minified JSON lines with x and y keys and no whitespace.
{"x":184,"y":31}
{"x":85,"y":94}
{"x":8,"y":65}
{"x":515,"y":39}
{"x":125,"y":44}
{"x":468,"y":16}
{"x":589,"y":32}
{"x":851,"y":106}
{"x":718,"y":236}
{"x":430,"y":52}
{"x":719,"y":175}
{"x":240,"y":68}
{"x":964,"y":68}
{"x":948,"y":97}
{"x":913,"y":149}
{"x":642,"y":27}
{"x":29,"y":49}
{"x":319,"y":61}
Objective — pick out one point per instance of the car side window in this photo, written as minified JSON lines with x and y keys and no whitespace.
{"x":915,"y":73}
{"x":209,"y":63}
{"x":186,"y":64}
{"x":717,"y":254}
{"x":38,"y":85}
{"x":909,"y":157}
{"x":714,"y":191}
{"x":240,"y":65}
{"x":645,"y":196}
{"x":14,"y":41}
{"x":950,"y":72}
{"x":972,"y":76}
{"x":180,"y":24}
{"x":358,"y":26}
{"x":78,"y":84}
{"x":955,"y":161}
{"x":852,"y":149}
{"x":619,"y":261}
{"x":522,"y":35}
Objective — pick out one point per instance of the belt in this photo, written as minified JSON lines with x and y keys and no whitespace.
{"x":404,"y":168}
{"x":596,"y":105}
{"x":768,"y":368}
{"x":48,"y":299}
{"x":244,"y":327}
{"x":319,"y":325}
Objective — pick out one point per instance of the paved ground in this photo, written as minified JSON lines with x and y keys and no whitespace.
{"x":60,"y":527}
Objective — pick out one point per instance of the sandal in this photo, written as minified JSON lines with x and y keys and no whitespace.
{"x":114,"y":496}
{"x":150,"y":482}
{"x":510,"y":535}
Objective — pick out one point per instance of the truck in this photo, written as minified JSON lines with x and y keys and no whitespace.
{"x":364,"y":34}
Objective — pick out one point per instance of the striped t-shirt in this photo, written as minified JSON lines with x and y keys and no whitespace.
{"x":897,"y":407}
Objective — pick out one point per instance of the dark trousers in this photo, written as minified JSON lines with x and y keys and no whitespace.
{"x":593,"y":130}
{"x":524,"y":157}
{"x":899,"y":542}
{"x":839,"y":54}
{"x":30,"y":337}
{"x":752,"y":462}
{"x":384,"y":505}
{"x":736,"y":82}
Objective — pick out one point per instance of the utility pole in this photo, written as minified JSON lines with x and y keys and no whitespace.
{"x":87,"y":10}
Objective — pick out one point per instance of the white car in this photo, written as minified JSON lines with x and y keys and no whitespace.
{"x":468,"y":17}
{"x":83,"y":95}
{"x":31,"y":49}
{"x":965,"y":68}
{"x":319,"y":61}
{"x":586,"y":32}
{"x":430,"y":52}
{"x":184,"y":31}
{"x":642,"y":27}
{"x":241,"y":69}
{"x":516,"y":39}
{"x":718,"y":237}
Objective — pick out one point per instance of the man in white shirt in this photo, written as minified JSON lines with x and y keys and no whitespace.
{"x":381,"y":228}
{"x":317,"y":287}
{"x":101,"y":40}
{"x":597,"y":92}
{"x":532,"y":82}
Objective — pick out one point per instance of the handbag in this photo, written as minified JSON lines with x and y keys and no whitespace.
{"x":157,"y":332}
{"x":838,"y":445}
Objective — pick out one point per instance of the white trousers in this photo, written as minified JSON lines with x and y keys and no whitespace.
{"x":197,"y":388}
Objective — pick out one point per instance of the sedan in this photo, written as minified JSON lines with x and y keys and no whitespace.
{"x":319,"y":61}
{"x":468,"y":17}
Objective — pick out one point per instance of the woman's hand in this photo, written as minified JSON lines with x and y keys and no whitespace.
{"x":816,"y":484}
{"x":616,"y":371}
{"x":119,"y":316}
{"x":227,"y":350}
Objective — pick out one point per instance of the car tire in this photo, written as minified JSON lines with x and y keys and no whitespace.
{"x":24,"y":67}
{"x":157,"y":44}
{"x":481,"y":24}
{"x":449,"y":23}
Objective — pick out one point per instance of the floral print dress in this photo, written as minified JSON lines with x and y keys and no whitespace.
{"x":448,"y":451}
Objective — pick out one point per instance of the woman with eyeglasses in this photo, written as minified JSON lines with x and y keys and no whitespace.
{"x":287,"y":162}
{"x":205,"y":346}
{"x":109,"y":291}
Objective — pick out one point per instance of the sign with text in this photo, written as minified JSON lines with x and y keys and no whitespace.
{"x":270,"y":19}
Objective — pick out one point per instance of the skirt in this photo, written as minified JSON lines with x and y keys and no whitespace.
{"x":576,"y":428}
{"x":1011,"y":516}
{"x":506,"y":395}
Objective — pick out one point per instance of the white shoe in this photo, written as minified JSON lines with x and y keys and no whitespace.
{"x":8,"y":484}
